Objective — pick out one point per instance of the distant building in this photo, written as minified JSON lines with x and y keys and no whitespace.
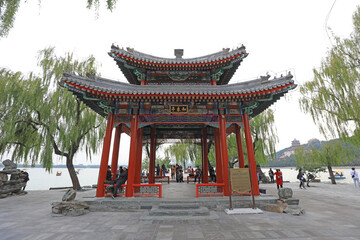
{"x":295,"y":143}
{"x":313,"y":141}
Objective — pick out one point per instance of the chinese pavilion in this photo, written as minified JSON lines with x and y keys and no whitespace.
{"x":177,"y":98}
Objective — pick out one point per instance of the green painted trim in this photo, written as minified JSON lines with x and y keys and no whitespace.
{"x":217,"y":75}
{"x":270,"y":98}
{"x":248,"y":109}
{"x":129,"y":66}
{"x":140,"y":75}
{"x":107,"y":108}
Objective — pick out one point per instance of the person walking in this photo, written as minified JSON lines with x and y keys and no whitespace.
{"x":279,"y":179}
{"x":355,"y":176}
{"x":271,"y":175}
{"x":301,"y":178}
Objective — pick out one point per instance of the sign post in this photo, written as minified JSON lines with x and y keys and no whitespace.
{"x":230,"y":189}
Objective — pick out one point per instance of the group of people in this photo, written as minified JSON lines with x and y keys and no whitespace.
{"x":278,"y":177}
{"x":121,"y":179}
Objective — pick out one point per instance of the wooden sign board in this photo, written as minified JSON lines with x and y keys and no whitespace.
{"x":178,"y":108}
{"x":240,"y":180}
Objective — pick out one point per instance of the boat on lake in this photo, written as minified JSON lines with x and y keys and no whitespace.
{"x":338,"y":175}
{"x":77,"y":171}
{"x":58,"y":173}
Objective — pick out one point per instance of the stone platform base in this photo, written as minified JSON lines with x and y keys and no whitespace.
{"x":108,"y":204}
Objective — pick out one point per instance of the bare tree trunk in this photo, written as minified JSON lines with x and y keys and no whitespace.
{"x":262,"y":175}
{"x":72,"y":173}
{"x":332,"y":177}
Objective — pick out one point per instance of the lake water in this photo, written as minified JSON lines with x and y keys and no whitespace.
{"x":42,"y":180}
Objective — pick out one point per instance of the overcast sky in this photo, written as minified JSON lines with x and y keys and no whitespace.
{"x":280,"y":36}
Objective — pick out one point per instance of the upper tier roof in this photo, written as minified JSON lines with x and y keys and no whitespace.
{"x":226,"y":60}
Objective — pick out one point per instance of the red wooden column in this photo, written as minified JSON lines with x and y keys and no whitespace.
{"x":152,"y":156}
{"x":100,"y":191}
{"x":251,"y":155}
{"x":139,"y":156}
{"x":132,"y":154}
{"x":224,"y":153}
{"x":115,"y":155}
{"x":205,"y":156}
{"x":219,"y":171}
{"x":239,"y":147}
{"x":202,"y":159}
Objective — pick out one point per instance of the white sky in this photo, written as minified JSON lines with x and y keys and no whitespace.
{"x":279,"y":36}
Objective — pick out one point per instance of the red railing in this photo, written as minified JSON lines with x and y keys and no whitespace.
{"x":118,"y":194}
{"x":188,"y":178}
{"x":137,"y":191}
{"x":218,"y":185}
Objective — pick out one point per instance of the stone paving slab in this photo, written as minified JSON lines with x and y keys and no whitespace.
{"x":332,"y":212}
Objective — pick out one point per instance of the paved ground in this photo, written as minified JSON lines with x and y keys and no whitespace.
{"x":332,"y":212}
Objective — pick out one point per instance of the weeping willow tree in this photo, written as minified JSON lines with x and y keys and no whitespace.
{"x":331,"y":153}
{"x":332,"y":97}
{"x":9,"y":8}
{"x":41,"y":119}
{"x":179,"y":152}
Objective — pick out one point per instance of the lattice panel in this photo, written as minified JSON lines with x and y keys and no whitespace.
{"x":147,"y":190}
{"x":210,"y":189}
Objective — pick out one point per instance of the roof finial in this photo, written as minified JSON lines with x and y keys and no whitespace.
{"x":179,"y":53}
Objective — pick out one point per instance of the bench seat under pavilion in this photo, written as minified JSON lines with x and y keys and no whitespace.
{"x":177,"y":98}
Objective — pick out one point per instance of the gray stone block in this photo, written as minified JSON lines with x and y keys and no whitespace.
{"x":285,"y":193}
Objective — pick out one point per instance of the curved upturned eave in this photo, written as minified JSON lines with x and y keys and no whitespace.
{"x":114,"y":88}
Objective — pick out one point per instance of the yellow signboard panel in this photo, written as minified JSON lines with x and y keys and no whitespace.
{"x":240,"y":180}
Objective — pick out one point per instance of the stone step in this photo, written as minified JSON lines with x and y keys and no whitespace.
{"x":201,"y":211}
{"x":211,"y":216}
{"x":179,"y":205}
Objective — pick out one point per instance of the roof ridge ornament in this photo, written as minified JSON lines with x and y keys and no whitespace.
{"x":179,"y":53}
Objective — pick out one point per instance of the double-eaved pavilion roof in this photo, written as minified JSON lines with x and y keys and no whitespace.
{"x":178,"y":97}
{"x":133,"y":63}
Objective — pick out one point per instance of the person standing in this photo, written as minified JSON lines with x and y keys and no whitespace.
{"x":157,"y":170}
{"x":26,"y":178}
{"x":279,"y":179}
{"x":163,"y":169}
{"x":173,"y":172}
{"x":271,"y":175}
{"x":355,"y":176}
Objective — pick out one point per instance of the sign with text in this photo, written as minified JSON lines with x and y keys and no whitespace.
{"x":178,"y":108}
{"x":240,"y":180}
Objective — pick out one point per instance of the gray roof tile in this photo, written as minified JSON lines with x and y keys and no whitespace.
{"x":110,"y":86}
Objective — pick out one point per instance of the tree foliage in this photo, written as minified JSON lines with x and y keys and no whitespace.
{"x":332,"y":153}
{"x":9,"y":8}
{"x":41,"y":119}
{"x":332,"y":97}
